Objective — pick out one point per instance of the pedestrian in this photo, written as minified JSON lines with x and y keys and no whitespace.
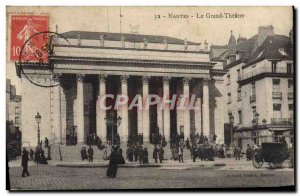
{"x":180,"y":154}
{"x":193,"y":153}
{"x":237,"y":153}
{"x":145,"y":156}
{"x":25,"y":160}
{"x":155,"y":153}
{"x":135,"y":152}
{"x":31,"y":154}
{"x":46,"y":142}
{"x":187,"y":143}
{"x":113,"y":164}
{"x":161,"y":154}
{"x":83,"y":153}
{"x":90,"y":154}
{"x":248,"y":153}
{"x":141,"y":155}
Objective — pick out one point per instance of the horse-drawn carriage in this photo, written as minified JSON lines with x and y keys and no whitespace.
{"x":273,"y":153}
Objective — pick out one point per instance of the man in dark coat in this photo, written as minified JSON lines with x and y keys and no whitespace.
{"x":31,"y":154}
{"x":155,"y":153}
{"x":141,"y":154}
{"x":135,"y":153}
{"x":201,"y":139}
{"x":46,"y":142}
{"x":161,"y":154}
{"x":113,"y":164}
{"x":145,"y":156}
{"x":25,"y":160}
{"x":91,"y":154}
{"x":83,"y":153}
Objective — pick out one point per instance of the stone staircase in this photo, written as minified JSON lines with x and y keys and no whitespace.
{"x":72,"y":153}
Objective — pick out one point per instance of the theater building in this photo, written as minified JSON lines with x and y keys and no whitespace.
{"x":91,"y":64}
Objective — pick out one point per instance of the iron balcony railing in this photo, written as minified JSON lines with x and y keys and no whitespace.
{"x":277,"y":95}
{"x":279,"y":70}
{"x":252,"y":98}
{"x":282,"y":121}
{"x":291,"y":95}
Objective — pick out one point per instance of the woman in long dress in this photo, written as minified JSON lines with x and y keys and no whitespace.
{"x":113,"y":164}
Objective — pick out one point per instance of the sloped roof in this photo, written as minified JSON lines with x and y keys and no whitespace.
{"x":274,"y":47}
{"x":128,"y":37}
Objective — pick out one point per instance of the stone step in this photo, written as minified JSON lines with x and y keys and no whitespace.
{"x":72,"y":153}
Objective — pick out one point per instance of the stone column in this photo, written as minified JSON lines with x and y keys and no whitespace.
{"x":146,"y":117}
{"x":205,"y":108}
{"x":101,"y":112}
{"x":187,"y":121}
{"x":57,"y":110}
{"x":80,"y":109}
{"x":166,"y":107}
{"x":124,"y":110}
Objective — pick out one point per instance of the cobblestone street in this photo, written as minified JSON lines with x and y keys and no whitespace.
{"x":51,"y":177}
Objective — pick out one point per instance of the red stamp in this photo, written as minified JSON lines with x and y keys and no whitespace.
{"x":23,"y":31}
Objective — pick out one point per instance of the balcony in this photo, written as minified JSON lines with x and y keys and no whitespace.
{"x":252,"y":98}
{"x":277,"y":95}
{"x":291,"y":95}
{"x":282,"y":121}
{"x":267,"y":70}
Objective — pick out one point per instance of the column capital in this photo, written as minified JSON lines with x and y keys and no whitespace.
{"x":124,"y":78}
{"x":80,"y":77}
{"x":102,"y":78}
{"x":206,"y":81}
{"x":56,"y":77}
{"x":145,"y":79}
{"x":166,"y":79}
{"x":186,"y":80}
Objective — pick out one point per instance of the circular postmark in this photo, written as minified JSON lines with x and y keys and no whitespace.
{"x":35,"y":53}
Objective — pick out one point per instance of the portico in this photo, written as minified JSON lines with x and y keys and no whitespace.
{"x":84,"y":73}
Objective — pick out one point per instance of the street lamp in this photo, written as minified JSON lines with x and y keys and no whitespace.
{"x":231,"y":131}
{"x":110,"y":120}
{"x":255,"y":124}
{"x":38,"y":119}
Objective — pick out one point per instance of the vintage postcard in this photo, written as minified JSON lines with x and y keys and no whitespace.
{"x":107,"y":98}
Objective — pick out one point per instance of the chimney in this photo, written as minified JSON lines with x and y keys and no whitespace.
{"x":241,"y":40}
{"x":263,"y":33}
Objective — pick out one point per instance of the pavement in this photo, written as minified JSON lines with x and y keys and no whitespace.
{"x":221,"y":164}
{"x":169,"y":175}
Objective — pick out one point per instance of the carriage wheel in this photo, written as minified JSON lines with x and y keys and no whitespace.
{"x":278,"y":165}
{"x":258,"y":164}
{"x":257,"y":161}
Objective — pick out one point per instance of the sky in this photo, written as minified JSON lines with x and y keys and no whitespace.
{"x":214,"y":30}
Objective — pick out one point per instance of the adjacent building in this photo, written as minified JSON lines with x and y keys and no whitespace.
{"x":258,"y":87}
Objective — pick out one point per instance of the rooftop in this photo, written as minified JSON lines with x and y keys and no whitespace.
{"x":128,"y":37}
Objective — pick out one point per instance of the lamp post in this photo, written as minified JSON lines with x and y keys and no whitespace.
{"x":255,"y":124}
{"x":110,"y":120}
{"x":38,"y":119}
{"x":231,"y":131}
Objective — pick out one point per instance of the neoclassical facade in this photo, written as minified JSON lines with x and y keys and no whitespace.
{"x":92,"y":64}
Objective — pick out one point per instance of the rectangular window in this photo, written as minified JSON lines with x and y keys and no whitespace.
{"x":276,"y":107}
{"x":290,"y":85}
{"x":253,"y":89}
{"x":17,"y":110}
{"x":17,"y":120}
{"x":228,"y":79}
{"x":239,"y":94}
{"x":229,"y":98}
{"x":291,"y":106}
{"x":289,"y":68}
{"x":239,"y":74}
{"x":274,"y":67}
{"x":276,"y":85}
{"x":229,"y":116}
{"x":253,"y":112}
{"x":240,"y":117}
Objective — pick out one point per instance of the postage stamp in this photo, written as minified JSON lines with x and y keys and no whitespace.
{"x":24,"y":27}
